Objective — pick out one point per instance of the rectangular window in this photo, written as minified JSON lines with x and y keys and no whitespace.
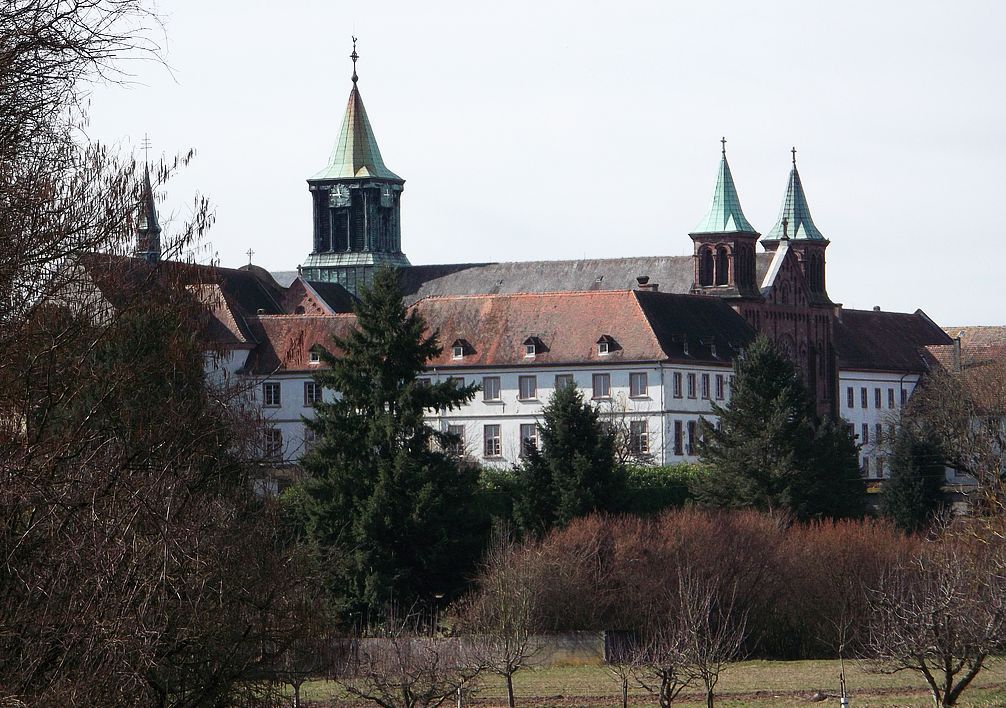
{"x":878,"y":434}
{"x":602,"y":385}
{"x":730,"y":384}
{"x":270,"y":394}
{"x":493,"y":446}
{"x":881,"y":466}
{"x":637,"y":384}
{"x":864,"y":437}
{"x":904,"y":396}
{"x":528,"y":388}
{"x":457,"y":443}
{"x":890,"y":398}
{"x":876,"y":398}
{"x":705,"y":386}
{"x":490,"y":388}
{"x":310,"y":438}
{"x":639,"y":439}
{"x":273,"y":447}
{"x":864,"y":402}
{"x":677,"y":384}
{"x":458,"y":381}
{"x":691,"y":385}
{"x":850,"y":395}
{"x":312,"y":393}
{"x":866,"y":466}
{"x":692,"y":439}
{"x":528,"y":437}
{"x":563,"y":380}
{"x":422,"y":381}
{"x":719,"y":387}
{"x":679,"y":447}
{"x":314,"y":358}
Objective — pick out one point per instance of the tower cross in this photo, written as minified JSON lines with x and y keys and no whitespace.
{"x":250,"y":254}
{"x":146,"y":148}
{"x":794,"y":155}
{"x":723,"y":143}
{"x":354,"y":56}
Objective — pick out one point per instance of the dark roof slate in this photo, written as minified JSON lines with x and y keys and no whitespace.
{"x":673,"y":274}
{"x":885,"y":341}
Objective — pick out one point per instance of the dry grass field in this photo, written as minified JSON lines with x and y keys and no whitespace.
{"x":751,"y":683}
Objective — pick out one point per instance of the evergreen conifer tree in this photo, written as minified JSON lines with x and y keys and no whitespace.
{"x":770,"y":450}
{"x":574,"y":472}
{"x":393,"y":512}
{"x":912,"y":496}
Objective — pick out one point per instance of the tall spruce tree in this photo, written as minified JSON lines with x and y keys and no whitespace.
{"x":913,"y":495}
{"x":770,"y":450}
{"x":393,"y":512}
{"x":574,"y":472}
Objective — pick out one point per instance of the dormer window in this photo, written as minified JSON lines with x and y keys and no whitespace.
{"x":606,"y":344}
{"x":314,"y":357}
{"x":530,"y":348}
{"x":460,"y":348}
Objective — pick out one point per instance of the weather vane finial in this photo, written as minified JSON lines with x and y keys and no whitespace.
{"x":794,"y":155}
{"x":354,"y":56}
{"x":146,"y":148}
{"x":723,"y":143}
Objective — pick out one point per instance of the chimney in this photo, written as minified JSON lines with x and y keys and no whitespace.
{"x":643,"y":281}
{"x":876,"y":308}
{"x":957,"y":353}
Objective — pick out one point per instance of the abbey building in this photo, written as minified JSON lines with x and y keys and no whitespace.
{"x":651,"y":340}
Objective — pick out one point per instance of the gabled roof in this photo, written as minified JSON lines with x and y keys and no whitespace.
{"x":982,"y":364}
{"x":873,"y":340}
{"x":230,"y":295}
{"x":355,"y":154}
{"x":796,"y":214}
{"x":724,"y":214}
{"x":648,"y":326}
{"x":285,"y":342}
{"x":673,"y":274}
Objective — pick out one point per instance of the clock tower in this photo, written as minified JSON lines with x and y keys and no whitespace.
{"x":355,"y":199}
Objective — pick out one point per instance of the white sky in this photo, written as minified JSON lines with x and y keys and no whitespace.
{"x":549,"y":130}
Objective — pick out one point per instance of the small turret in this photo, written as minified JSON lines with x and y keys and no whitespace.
{"x":148,"y":230}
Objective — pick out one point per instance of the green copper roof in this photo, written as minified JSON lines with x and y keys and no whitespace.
{"x":795,"y":213}
{"x":724,"y":213}
{"x":356,"y":154}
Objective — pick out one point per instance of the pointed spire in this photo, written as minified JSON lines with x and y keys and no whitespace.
{"x":148,"y":230}
{"x":356,"y":154}
{"x":794,"y":220}
{"x":724,"y":214}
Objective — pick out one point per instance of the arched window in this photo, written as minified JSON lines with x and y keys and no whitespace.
{"x":722,"y":266}
{"x":706,"y":266}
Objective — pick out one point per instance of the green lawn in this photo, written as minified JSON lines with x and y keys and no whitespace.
{"x":759,"y":683}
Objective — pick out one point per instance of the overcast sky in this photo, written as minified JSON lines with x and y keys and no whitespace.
{"x":554,"y":130}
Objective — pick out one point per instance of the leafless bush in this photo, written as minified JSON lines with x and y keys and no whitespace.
{"x":403,"y":668}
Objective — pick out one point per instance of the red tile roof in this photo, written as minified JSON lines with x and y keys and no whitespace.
{"x":285,"y":341}
{"x":874,"y":340}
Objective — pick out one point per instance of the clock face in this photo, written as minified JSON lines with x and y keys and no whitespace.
{"x":339,"y":196}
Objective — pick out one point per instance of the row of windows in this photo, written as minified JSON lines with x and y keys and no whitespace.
{"x":878,"y":429}
{"x":492,"y":438}
{"x":272,"y":394}
{"x":720,"y":380}
{"x":527,"y":386}
{"x":532,"y":347}
{"x":864,"y":399}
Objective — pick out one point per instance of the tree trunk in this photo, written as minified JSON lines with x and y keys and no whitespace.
{"x":509,"y":691}
{"x":296,"y":695}
{"x":625,"y":693}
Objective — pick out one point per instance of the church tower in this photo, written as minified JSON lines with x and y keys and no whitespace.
{"x":148,"y":231}
{"x":356,"y":198}
{"x":724,"y":242}
{"x":805,"y":240}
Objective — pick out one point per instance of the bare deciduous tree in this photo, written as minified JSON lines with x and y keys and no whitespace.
{"x":942,"y":615}
{"x":503,"y":618}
